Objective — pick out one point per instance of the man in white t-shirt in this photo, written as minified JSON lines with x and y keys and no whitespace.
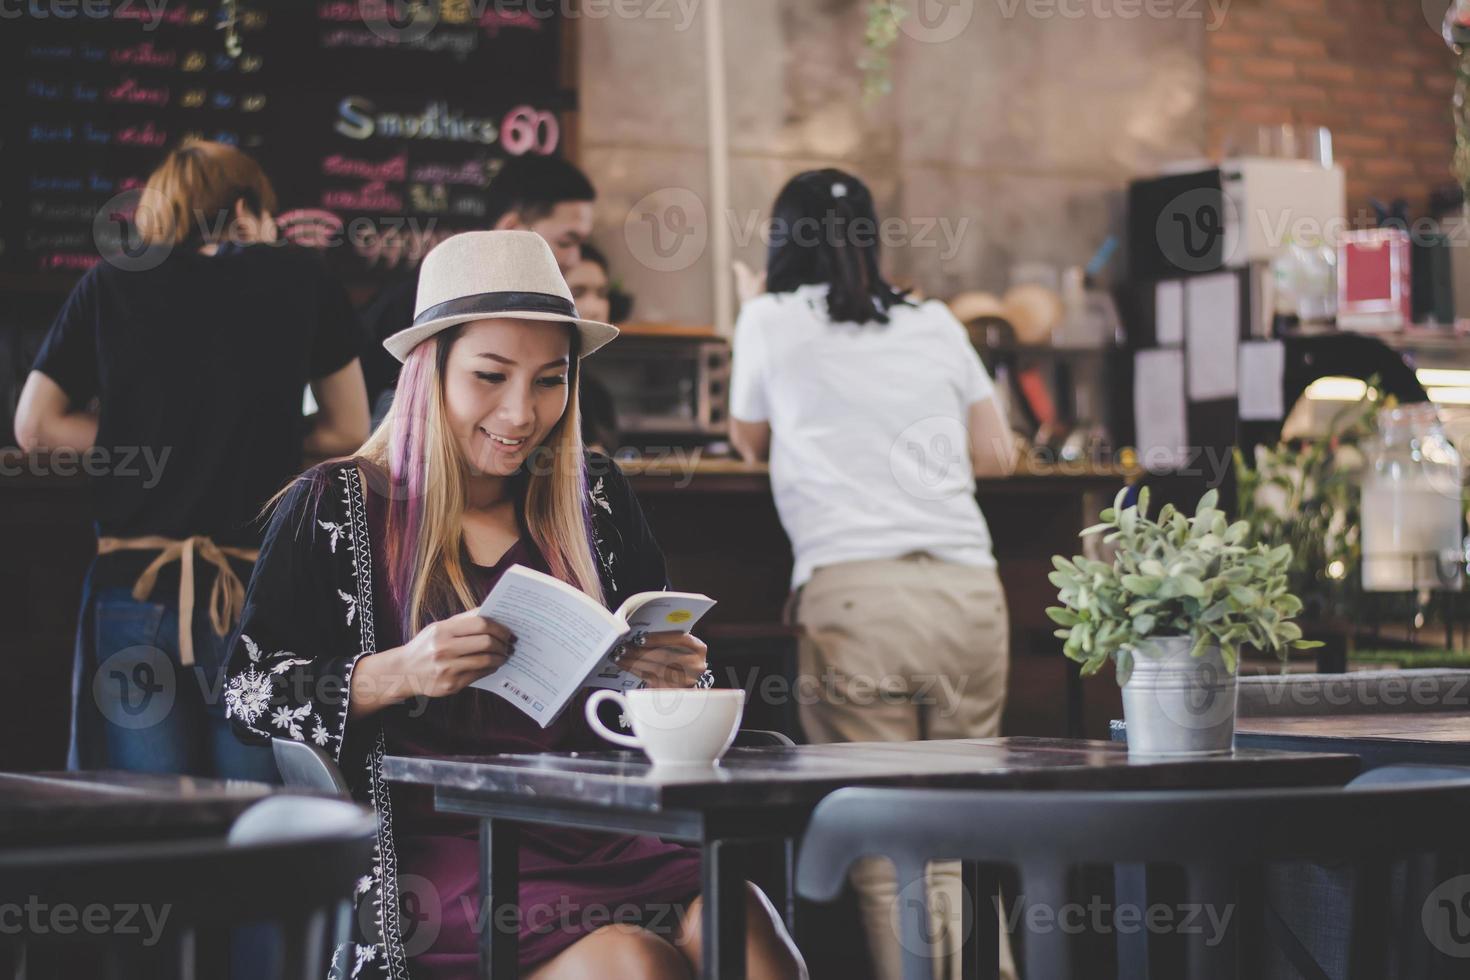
{"x":876,"y":415}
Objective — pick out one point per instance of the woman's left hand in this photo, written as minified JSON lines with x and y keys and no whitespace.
{"x":666,"y":660}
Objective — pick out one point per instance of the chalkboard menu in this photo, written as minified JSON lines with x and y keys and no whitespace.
{"x":381,"y":123}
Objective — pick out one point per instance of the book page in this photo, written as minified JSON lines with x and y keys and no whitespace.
{"x":650,"y":612}
{"x":661,"y":612}
{"x":561,"y":633}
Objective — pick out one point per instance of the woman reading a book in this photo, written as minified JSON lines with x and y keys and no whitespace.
{"x":361,"y":631}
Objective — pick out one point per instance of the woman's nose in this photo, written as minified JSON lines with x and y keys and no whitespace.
{"x":516,"y":408}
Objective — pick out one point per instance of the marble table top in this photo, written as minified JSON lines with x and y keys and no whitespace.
{"x":773,"y":776}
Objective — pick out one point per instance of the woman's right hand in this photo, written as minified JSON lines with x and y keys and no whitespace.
{"x":443,"y":659}
{"x":448,"y":656}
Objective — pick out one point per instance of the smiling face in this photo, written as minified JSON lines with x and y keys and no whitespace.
{"x":505,"y":389}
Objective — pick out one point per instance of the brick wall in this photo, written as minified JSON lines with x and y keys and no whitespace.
{"x":1372,"y":71}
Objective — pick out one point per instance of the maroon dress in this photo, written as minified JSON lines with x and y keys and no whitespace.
{"x":572,"y":881}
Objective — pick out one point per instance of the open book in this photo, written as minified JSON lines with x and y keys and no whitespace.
{"x":565,"y":640}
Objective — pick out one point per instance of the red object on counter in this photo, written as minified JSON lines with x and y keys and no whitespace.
{"x":1374,"y":291}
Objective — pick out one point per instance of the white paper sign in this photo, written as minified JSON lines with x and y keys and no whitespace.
{"x":1262,"y":376}
{"x":1169,"y":313}
{"x":1159,"y":408}
{"x":1212,"y":336}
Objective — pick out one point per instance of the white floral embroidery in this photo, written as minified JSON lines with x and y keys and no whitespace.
{"x":251,"y":648}
{"x":351,"y":601}
{"x":365,"y":954}
{"x":363,"y":884}
{"x":247,"y":695}
{"x":336,"y":530}
{"x":289,"y":719}
{"x":598,"y":495}
{"x":286,"y":665}
{"x":319,"y":733}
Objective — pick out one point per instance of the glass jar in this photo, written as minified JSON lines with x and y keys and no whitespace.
{"x":1413,"y":537}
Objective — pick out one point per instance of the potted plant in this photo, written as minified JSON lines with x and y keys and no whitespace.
{"x":1180,"y":598}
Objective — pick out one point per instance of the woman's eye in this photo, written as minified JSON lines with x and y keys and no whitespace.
{"x":554,"y":382}
{"x":490,"y":376}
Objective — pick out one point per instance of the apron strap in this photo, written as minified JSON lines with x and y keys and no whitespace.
{"x":226,"y":598}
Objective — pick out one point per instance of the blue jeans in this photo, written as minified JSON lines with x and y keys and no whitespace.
{"x":148,"y":712}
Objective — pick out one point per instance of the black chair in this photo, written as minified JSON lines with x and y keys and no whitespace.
{"x":1308,"y":905}
{"x":756,"y":738}
{"x":304,"y":766}
{"x":288,"y":863}
{"x":1221,"y":841}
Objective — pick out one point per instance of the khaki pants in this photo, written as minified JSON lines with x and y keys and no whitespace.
{"x":900,"y":650}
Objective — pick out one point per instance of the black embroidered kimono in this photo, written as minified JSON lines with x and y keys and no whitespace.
{"x":311,"y":615}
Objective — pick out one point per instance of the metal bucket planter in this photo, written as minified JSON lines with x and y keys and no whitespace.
{"x":1179,"y":705}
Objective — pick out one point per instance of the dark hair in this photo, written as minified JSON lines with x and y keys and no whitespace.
{"x":532,"y":186}
{"x":824,"y":231}
{"x":591,"y":253}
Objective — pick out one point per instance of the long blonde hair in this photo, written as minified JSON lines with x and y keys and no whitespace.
{"x":428,"y":478}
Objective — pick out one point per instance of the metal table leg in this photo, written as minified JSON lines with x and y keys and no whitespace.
{"x":723,"y":912}
{"x":981,"y":950}
{"x":500,"y":880}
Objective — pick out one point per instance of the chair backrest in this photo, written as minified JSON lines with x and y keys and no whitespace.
{"x":1212,"y":836}
{"x":1356,"y":693}
{"x":290,"y":862}
{"x":1410,"y":773}
{"x":304,"y":766}
{"x":756,"y":738}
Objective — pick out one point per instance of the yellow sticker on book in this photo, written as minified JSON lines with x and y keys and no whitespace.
{"x":679,"y":616}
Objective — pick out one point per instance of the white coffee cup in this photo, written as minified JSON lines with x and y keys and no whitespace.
{"x":678,"y":726}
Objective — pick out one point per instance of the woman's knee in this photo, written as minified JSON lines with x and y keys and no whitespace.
{"x":617,"y":951}
{"x":770,"y":951}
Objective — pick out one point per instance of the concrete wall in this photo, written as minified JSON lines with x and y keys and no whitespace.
{"x":1015,"y":122}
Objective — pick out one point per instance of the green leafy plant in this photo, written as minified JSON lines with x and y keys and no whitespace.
{"x":1305,"y":493}
{"x":880,"y":34}
{"x":1174,"y":576}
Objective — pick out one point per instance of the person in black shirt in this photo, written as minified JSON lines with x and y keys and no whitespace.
{"x":546,"y":195}
{"x":178,"y":375}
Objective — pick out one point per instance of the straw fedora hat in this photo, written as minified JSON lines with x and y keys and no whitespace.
{"x":491,"y":275}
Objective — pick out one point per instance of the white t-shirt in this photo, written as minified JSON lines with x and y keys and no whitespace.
{"x":870,"y":450}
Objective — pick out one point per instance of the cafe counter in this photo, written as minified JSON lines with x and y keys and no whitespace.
{"x":714,"y":518}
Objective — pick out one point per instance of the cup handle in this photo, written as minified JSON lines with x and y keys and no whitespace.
{"x":617,"y":738}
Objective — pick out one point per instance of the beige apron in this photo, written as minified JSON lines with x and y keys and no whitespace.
{"x":226,"y":599}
